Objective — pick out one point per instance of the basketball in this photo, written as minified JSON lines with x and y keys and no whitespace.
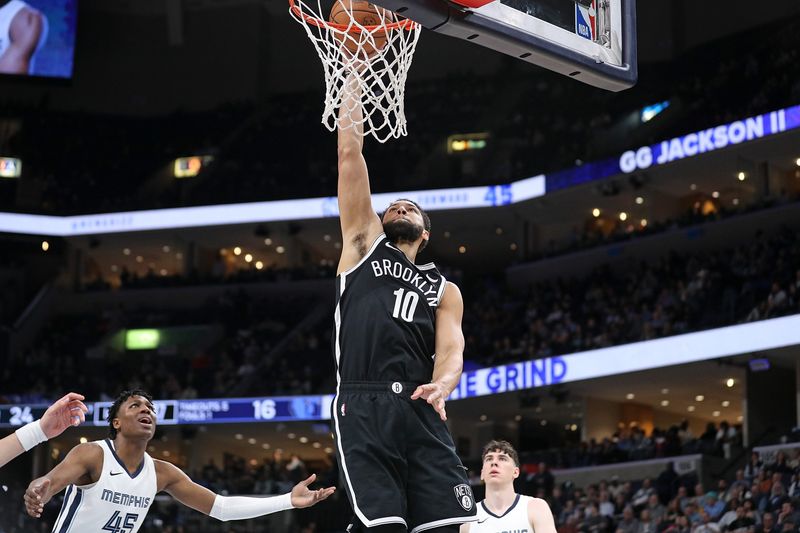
{"x":365,"y":14}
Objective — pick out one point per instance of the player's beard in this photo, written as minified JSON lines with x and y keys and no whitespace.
{"x":402,"y":231}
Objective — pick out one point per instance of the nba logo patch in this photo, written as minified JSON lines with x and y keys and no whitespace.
{"x":464,"y":496}
{"x":586,"y":21}
{"x":342,"y":409}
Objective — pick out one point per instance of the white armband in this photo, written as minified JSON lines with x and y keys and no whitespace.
{"x":245,"y":507}
{"x":30,"y":435}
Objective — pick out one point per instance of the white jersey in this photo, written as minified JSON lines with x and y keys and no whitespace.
{"x":514,"y":520}
{"x":7,"y":14}
{"x":118,"y":501}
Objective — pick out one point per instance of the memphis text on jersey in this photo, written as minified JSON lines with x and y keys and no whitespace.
{"x":126,"y":500}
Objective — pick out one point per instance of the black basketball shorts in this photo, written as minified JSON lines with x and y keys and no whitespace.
{"x":397,"y":459}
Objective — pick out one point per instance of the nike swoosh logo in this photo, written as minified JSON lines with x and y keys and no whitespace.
{"x":482,"y":521}
{"x":116,"y":473}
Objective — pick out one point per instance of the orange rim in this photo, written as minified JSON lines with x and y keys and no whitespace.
{"x":404,"y":24}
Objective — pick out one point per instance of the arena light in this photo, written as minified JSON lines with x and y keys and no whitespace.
{"x":650,"y":112}
{"x":142,"y":339}
{"x":189,"y":167}
{"x":10,"y":167}
{"x":467,"y":142}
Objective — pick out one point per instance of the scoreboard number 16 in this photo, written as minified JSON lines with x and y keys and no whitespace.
{"x":264,"y":409}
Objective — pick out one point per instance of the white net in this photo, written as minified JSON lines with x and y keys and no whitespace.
{"x":377,"y":56}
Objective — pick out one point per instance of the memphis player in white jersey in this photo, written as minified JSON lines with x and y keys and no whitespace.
{"x":503,"y":510}
{"x":112,"y":483}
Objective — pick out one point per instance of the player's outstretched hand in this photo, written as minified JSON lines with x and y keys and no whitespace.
{"x":36,"y":496}
{"x":434,"y":394}
{"x":303,"y":497}
{"x":66,"y":412}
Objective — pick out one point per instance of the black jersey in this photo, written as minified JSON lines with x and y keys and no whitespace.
{"x":385,"y":317}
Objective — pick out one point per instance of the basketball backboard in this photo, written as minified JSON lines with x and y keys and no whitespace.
{"x":593,"y":41}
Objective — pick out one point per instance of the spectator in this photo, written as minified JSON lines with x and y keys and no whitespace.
{"x":713,"y":507}
{"x":629,"y":523}
{"x":743,"y":523}
{"x":767,"y":524}
{"x":594,"y":522}
{"x":655,"y":509}
{"x":646,"y":523}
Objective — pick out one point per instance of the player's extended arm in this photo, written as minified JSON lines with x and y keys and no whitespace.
{"x":449,"y":351}
{"x":360,"y":223}
{"x":25,"y":31}
{"x":68,"y":411}
{"x":176,"y":483}
{"x":80,"y":467}
{"x":540,"y":516}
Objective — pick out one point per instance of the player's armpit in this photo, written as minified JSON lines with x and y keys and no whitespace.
{"x":177,"y":484}
{"x":81,"y":466}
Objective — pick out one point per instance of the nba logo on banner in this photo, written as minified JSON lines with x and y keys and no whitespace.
{"x":464,"y":496}
{"x":586,"y":20}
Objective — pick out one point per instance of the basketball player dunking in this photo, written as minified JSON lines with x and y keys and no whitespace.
{"x":503,"y":510}
{"x":397,"y":340}
{"x":23,"y":30}
{"x":112,"y":483}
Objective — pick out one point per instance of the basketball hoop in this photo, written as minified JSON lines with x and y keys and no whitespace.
{"x":377,"y":55}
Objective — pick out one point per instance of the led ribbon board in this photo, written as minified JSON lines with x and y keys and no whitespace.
{"x":679,"y":148}
{"x":592,"y":364}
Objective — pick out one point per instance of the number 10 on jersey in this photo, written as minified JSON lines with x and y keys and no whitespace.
{"x":405,"y":304}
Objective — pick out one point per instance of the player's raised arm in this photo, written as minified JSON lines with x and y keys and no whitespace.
{"x":176,"y":483}
{"x":449,"y":360}
{"x":66,"y":412}
{"x":360,"y":223}
{"x":81,"y":466}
